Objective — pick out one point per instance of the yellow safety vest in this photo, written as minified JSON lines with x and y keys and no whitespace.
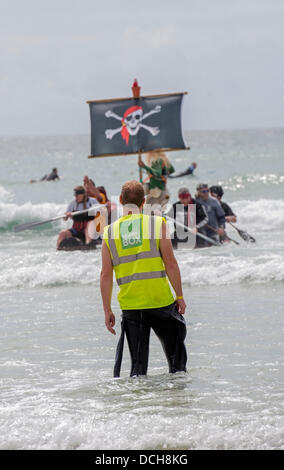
{"x":133,"y":242}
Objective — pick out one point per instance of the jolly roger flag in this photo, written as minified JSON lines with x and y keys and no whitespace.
{"x":133,"y":125}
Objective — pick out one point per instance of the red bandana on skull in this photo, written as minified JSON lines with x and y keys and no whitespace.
{"x":124,"y":130}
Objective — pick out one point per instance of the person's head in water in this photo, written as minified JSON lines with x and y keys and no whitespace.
{"x":184,"y":196}
{"x":132,"y":195}
{"x":54,"y":170}
{"x":217,"y":192}
{"x":194,"y":165}
{"x":203,"y":191}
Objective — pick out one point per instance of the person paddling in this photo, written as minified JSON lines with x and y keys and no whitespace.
{"x":189,"y":209}
{"x":216,"y":216}
{"x":80,"y":222}
{"x":217,"y":192}
{"x":138,"y":248}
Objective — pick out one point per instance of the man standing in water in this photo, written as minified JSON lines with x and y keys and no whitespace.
{"x":139,"y":250}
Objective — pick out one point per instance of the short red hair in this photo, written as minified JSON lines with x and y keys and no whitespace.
{"x":132,"y":192}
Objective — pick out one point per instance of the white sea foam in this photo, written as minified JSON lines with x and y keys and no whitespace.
{"x":238,"y":267}
{"x":81,"y":417}
{"x":14,"y":214}
{"x":218,"y":266}
{"x":261,"y":215}
{"x":80,"y":432}
{"x":5,"y":195}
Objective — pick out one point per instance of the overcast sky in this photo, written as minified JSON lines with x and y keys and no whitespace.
{"x":57,"y":54}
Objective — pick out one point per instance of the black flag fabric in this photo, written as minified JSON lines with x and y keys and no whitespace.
{"x":133,"y":125}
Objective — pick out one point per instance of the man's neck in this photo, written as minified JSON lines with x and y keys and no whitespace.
{"x":131,"y":211}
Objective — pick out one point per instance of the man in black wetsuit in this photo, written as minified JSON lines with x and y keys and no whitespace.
{"x":217,"y":192}
{"x":185,"y":206}
{"x":188,"y":171}
{"x":139,"y":251}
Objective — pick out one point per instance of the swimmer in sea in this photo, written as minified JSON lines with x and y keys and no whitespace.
{"x":188,"y":171}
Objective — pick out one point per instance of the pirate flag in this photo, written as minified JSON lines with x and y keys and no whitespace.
{"x":134,"y":125}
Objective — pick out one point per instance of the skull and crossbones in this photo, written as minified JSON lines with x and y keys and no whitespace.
{"x":131,"y":122}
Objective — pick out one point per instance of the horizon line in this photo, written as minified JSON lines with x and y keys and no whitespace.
{"x":226,"y":129}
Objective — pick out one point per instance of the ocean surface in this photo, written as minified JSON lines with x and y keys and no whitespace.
{"x":56,"y":356}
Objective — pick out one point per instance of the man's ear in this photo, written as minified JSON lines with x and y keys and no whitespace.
{"x":120,"y":199}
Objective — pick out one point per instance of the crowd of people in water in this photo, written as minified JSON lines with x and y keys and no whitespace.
{"x":204,"y":216}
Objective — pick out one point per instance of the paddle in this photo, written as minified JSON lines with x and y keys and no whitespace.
{"x":21,"y":227}
{"x":244,"y":235}
{"x":228,"y":238}
{"x":213,"y":242}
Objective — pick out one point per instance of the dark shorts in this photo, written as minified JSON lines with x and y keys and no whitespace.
{"x":78,"y":233}
{"x":170,"y":328}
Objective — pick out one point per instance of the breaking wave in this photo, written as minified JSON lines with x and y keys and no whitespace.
{"x":210,"y":266}
{"x":261,"y":215}
{"x":5,"y":195}
{"x":14,"y":214}
{"x":239,"y":267}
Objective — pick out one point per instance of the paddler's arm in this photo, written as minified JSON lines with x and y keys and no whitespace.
{"x":220,"y":214}
{"x":106,"y":282}
{"x":171,"y":266}
{"x":92,"y":189}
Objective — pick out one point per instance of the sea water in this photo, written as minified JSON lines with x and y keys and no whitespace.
{"x":56,"y":356}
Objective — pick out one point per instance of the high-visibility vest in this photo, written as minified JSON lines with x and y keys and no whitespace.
{"x":133,"y":242}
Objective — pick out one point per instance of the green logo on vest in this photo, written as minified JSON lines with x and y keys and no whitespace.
{"x":131,"y":233}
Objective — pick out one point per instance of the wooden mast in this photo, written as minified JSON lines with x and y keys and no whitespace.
{"x":136,"y":94}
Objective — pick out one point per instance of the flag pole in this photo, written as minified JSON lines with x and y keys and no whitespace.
{"x":136,"y":94}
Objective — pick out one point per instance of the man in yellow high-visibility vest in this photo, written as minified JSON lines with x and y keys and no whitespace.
{"x":139,"y":250}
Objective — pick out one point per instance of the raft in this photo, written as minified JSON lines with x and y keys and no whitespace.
{"x":75,"y":244}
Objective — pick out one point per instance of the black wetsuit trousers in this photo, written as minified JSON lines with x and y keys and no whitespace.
{"x":170,"y":328}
